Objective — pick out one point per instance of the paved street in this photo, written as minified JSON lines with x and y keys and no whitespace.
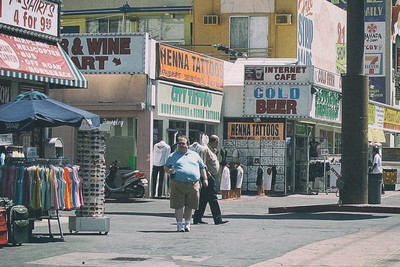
{"x":143,"y":233}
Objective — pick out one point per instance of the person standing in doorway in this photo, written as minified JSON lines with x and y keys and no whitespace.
{"x":161,"y":152}
{"x":185,"y":167}
{"x":377,"y":165}
{"x":209,"y":194}
{"x":260,"y":181}
{"x":239,"y":182}
{"x":233,"y":175}
{"x":225,"y":181}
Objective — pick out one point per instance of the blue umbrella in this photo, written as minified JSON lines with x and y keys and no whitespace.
{"x":36,"y":110}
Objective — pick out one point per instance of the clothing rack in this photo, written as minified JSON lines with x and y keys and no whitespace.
{"x":47,"y":210}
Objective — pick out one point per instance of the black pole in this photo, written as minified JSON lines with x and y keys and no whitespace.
{"x":355,"y":111}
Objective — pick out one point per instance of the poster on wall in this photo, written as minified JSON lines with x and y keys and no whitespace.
{"x":321,"y":31}
{"x":377,"y":89}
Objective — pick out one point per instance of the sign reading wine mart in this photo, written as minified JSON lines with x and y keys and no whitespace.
{"x":279,"y":100}
{"x":40,"y":16}
{"x":188,"y":103}
{"x":107,"y":53}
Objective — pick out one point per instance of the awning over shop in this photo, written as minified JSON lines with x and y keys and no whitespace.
{"x":37,"y":61}
{"x":376,"y":136}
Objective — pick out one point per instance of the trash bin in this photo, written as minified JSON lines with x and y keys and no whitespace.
{"x":374,"y":188}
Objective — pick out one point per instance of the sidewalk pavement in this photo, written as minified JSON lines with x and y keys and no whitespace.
{"x":143,"y":233}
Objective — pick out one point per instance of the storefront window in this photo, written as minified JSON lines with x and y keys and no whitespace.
{"x":338,"y":143}
{"x":121,"y":142}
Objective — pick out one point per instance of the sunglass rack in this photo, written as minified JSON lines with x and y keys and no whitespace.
{"x":90,"y":157}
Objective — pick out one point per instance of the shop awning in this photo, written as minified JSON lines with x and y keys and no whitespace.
{"x":376,"y":136}
{"x":37,"y":61}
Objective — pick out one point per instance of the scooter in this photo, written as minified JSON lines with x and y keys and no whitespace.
{"x":125,"y":183}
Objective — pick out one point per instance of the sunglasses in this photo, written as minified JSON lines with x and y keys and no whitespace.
{"x":181,"y":143}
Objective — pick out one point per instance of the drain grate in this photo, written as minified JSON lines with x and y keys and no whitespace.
{"x":129,"y":259}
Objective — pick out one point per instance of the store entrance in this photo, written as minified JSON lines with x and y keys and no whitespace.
{"x":301,"y":164}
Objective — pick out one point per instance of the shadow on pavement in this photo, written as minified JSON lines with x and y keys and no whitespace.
{"x":332,"y":216}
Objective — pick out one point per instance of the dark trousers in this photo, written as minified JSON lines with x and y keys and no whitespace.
{"x":157,"y":171}
{"x":208,"y":195}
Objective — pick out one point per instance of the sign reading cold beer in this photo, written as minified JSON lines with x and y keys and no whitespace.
{"x":257,"y":131}
{"x":188,"y":67}
{"x":280,"y":100}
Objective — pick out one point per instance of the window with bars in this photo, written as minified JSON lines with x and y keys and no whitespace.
{"x":108,"y":25}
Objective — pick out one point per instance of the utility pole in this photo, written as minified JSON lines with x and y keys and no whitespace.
{"x":355,"y":111}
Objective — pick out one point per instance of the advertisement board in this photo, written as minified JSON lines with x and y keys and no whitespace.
{"x":188,"y":67}
{"x":40,"y":16}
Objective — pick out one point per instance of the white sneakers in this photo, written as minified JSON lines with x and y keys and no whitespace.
{"x":180,"y":227}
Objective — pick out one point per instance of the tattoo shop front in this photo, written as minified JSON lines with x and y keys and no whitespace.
{"x":284,"y":109}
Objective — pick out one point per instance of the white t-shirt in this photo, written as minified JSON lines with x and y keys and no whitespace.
{"x":378,"y":161}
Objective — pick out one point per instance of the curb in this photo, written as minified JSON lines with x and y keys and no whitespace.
{"x":331,"y":207}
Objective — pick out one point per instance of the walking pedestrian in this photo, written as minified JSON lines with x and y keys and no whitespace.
{"x":209,"y":194}
{"x":185,"y":167}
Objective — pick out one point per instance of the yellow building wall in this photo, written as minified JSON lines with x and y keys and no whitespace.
{"x":282,"y":40}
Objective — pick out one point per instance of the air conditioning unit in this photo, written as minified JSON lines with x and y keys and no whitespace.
{"x":283,"y":19}
{"x":211,"y":20}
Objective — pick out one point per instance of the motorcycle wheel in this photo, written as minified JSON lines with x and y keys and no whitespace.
{"x":138,"y":192}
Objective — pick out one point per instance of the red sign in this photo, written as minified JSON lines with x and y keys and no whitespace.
{"x":31,"y":57}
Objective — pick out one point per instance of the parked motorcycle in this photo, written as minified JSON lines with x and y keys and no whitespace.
{"x":125,"y":183}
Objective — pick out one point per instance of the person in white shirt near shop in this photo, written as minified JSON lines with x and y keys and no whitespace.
{"x":377,"y":164}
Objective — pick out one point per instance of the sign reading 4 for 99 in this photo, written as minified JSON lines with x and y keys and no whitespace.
{"x":33,"y":15}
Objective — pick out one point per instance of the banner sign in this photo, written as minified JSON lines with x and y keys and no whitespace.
{"x":327,"y":79}
{"x":188,"y":103}
{"x":391,"y":119}
{"x":40,"y":16}
{"x":106,"y":53}
{"x":257,"y":131}
{"x":282,"y":100}
{"x":31,"y":57}
{"x":327,"y":105}
{"x":188,"y":67}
